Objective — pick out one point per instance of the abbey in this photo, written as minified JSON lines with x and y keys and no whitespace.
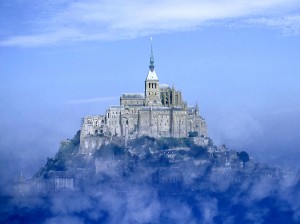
{"x":158,"y":112}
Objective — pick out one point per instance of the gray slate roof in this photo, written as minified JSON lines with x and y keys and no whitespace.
{"x":133,"y":96}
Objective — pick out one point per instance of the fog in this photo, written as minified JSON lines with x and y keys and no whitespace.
{"x":26,"y":141}
{"x":202,"y":196}
{"x":271,"y":136}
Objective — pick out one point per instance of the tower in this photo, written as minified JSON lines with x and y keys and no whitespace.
{"x":152,"y":92}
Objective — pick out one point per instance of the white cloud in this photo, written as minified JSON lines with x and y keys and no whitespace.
{"x":290,"y":25}
{"x":118,"y":19}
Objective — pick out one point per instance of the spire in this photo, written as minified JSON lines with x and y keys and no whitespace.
{"x":151,"y":74}
{"x":197,"y":108}
{"x":151,"y":66}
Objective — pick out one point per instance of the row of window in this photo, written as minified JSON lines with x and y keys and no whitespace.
{"x":96,"y":122}
{"x":152,"y":85}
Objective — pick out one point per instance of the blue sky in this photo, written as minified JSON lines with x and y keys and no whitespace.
{"x":62,"y":60}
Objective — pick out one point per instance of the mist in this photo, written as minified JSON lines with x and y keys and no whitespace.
{"x":270,"y":133}
{"x":186,"y":192}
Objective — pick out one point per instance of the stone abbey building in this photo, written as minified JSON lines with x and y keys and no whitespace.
{"x":158,"y":112}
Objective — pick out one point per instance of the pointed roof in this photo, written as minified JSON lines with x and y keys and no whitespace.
{"x":151,"y":74}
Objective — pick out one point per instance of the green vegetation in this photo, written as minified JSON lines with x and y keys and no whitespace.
{"x":168,"y":143}
{"x":193,"y":134}
{"x":244,"y":157}
{"x":198,"y":152}
{"x":161,"y":143}
{"x":146,"y":151}
{"x":66,"y":157}
{"x":110,"y":151}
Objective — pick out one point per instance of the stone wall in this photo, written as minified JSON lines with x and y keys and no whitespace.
{"x":89,"y":143}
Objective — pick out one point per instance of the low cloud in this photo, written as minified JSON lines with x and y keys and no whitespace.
{"x":68,"y":21}
{"x":144,"y":193}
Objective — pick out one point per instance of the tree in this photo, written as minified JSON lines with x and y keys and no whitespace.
{"x":198,"y":152}
{"x":110,"y":151}
{"x":193,"y":134}
{"x":244,"y":157}
{"x":163,"y":161}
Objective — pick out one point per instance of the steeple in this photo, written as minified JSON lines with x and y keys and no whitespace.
{"x":152,"y":92}
{"x":151,"y":74}
{"x":151,"y":66}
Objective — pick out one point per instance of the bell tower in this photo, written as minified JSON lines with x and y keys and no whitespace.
{"x":152,"y":92}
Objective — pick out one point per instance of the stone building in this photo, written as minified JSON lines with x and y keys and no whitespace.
{"x":158,"y":112}
{"x":60,"y":180}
